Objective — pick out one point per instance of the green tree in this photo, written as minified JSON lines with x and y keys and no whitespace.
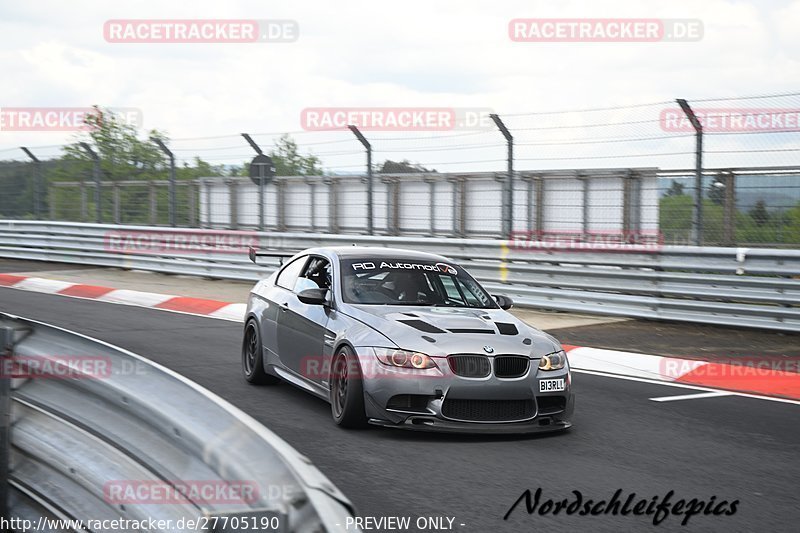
{"x":792,"y":228}
{"x":16,"y":189}
{"x":402,"y":167}
{"x":287,"y":159}
{"x":122,"y":154}
{"x":199,"y":169}
{"x":289,"y":162}
{"x":716,"y":193}
{"x":675,"y":189}
{"x":675,"y":220}
{"x":759,"y":213}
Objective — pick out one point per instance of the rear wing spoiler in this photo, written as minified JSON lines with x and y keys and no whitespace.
{"x":254,"y":253}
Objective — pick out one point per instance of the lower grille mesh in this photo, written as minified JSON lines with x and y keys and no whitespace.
{"x":488,"y":410}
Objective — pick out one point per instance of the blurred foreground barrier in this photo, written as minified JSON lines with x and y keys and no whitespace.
{"x":727,"y":286}
{"x":101,"y":434}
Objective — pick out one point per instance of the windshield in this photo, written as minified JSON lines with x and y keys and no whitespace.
{"x":403,"y":282}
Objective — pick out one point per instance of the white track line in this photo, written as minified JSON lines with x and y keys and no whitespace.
{"x":691,"y":396}
{"x":683,"y":386}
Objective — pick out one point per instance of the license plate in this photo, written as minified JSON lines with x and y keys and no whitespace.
{"x":552,"y":385}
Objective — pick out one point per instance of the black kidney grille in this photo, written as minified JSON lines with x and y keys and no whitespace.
{"x":488,"y":410}
{"x":470,"y":366}
{"x":510,"y":366}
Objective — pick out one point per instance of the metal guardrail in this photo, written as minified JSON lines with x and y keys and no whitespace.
{"x":93,"y":424}
{"x":726,"y":286}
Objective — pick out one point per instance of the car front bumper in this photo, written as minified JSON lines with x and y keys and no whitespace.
{"x":539,"y":424}
{"x":438,"y":400}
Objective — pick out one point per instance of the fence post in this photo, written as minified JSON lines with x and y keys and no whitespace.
{"x":261,"y":182}
{"x":626,"y":202}
{"x":462,"y":206}
{"x":37,"y":182}
{"x":729,"y":212}
{"x":280,"y":200}
{"x":631,"y":205}
{"x":431,"y":203}
{"x":528,"y":202}
{"x":697,"y":214}
{"x":6,"y":346}
{"x":84,"y":202}
{"x":635,"y":207}
{"x":333,"y":205}
{"x":153,"y":200}
{"x":392,"y":205}
{"x":584,"y":205}
{"x":207,"y":184}
{"x":96,"y":176}
{"x":191,"y":197}
{"x":540,"y":198}
{"x":172,"y":196}
{"x":233,"y":203}
{"x":454,"y":200}
{"x":508,"y":188}
{"x":116,"y":199}
{"x":368,"y":147}
{"x":312,"y":196}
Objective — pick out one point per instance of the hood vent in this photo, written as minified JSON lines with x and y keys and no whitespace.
{"x":472,"y":330}
{"x":422,"y":326}
{"x":506,"y":329}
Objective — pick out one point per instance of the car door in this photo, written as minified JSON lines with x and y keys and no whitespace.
{"x":302,"y":327}
{"x":276,"y":298}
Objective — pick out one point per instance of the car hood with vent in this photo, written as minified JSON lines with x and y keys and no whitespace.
{"x":439,"y":331}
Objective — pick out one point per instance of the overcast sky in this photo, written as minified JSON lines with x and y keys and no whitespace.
{"x":431,"y":53}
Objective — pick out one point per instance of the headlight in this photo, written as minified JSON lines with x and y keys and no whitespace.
{"x":404,"y":358}
{"x":553,"y":361}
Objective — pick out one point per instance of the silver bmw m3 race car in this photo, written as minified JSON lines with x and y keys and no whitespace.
{"x":405,"y":339}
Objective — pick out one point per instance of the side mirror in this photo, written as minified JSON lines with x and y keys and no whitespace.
{"x":503,"y":301}
{"x":313,"y":296}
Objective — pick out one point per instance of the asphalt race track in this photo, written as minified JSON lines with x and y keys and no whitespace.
{"x":731,"y":447}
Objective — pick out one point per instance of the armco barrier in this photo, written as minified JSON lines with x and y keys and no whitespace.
{"x":726,"y":286}
{"x":99,"y":433}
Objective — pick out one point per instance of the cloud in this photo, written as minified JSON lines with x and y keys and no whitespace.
{"x":367,"y":53}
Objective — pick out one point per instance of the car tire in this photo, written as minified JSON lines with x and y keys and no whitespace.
{"x":252,"y":357}
{"x":347,"y":390}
